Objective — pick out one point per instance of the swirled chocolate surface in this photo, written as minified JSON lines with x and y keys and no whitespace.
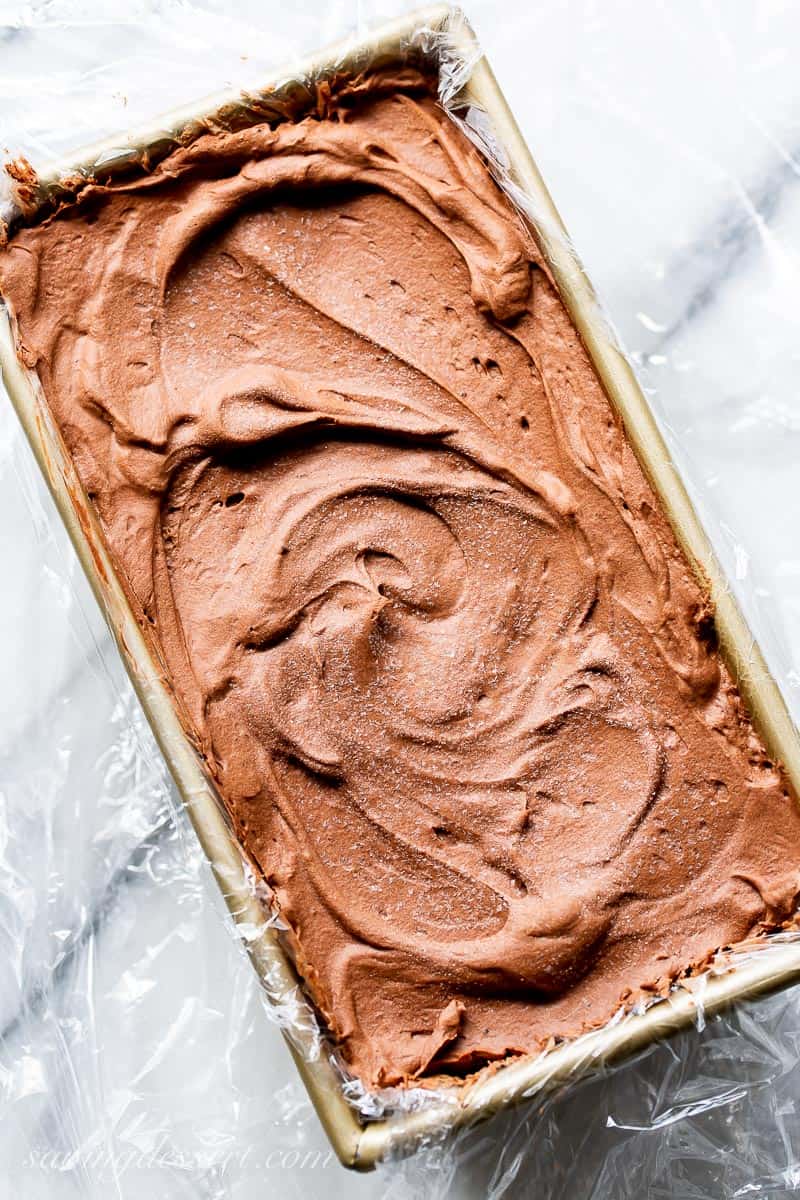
{"x":421,"y":611}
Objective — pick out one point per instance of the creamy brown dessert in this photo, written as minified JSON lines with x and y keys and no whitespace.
{"x":422,"y":613}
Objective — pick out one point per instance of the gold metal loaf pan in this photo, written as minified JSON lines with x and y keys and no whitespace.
{"x":434,"y":31}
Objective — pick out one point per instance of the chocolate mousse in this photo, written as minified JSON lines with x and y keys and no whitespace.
{"x":422,"y":614}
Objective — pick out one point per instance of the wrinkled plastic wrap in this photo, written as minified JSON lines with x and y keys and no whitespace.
{"x":138,"y":1050}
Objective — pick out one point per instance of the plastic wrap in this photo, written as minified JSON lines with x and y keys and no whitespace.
{"x":137,"y":1047}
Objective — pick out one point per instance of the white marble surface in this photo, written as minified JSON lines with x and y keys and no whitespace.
{"x":135,"y":1057}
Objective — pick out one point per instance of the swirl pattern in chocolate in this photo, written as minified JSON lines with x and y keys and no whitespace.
{"x":420,"y":609}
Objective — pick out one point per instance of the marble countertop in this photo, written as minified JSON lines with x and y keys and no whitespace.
{"x":135,"y":1053}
